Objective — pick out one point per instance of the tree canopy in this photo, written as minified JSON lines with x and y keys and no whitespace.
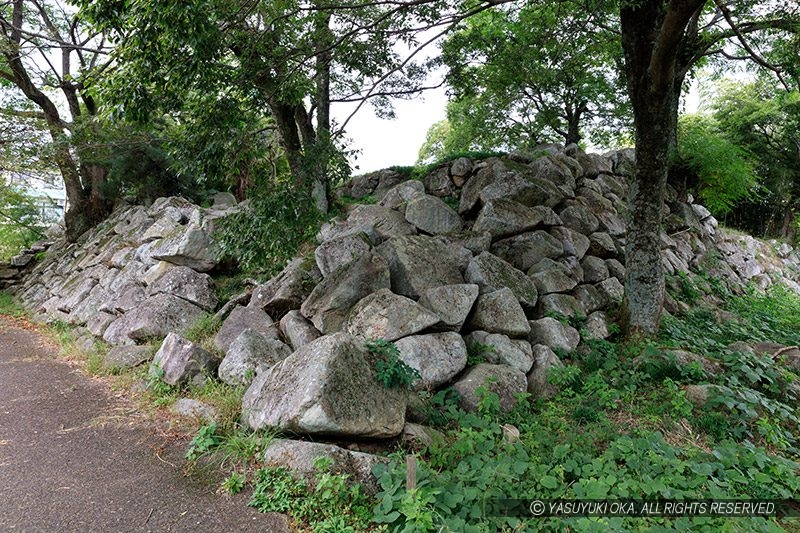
{"x":527,"y":74}
{"x":764,"y":119}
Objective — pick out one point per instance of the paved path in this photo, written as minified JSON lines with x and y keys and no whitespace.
{"x":70,"y":460}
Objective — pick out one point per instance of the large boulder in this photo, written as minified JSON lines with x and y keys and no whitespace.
{"x":595,"y":269}
{"x":438,"y":182}
{"x":330,"y":301}
{"x":525,"y":250}
{"x":580,"y":219}
{"x":554,"y":280}
{"x":154,"y":318}
{"x":120,"y":357}
{"x":386,"y":223}
{"x":505,"y":381}
{"x":499,"y":312}
{"x":554,"y":334}
{"x":431,"y":215}
{"x":298,"y":330}
{"x":388,"y":316}
{"x":180,"y":362}
{"x":491,"y":273}
{"x":327,"y":387}
{"x":249,"y":354}
{"x":491,"y":170}
{"x":418,"y":263}
{"x":287,"y":290}
{"x":531,"y":192}
{"x":240,"y":319}
{"x":544,"y":360}
{"x":190,"y":246}
{"x":402,"y":194}
{"x":560,"y":304}
{"x":438,"y":357}
{"x":451,"y":303}
{"x":502,"y":350}
{"x":334,"y":254}
{"x":502,"y":218}
{"x":573,"y":243}
{"x":188,"y":284}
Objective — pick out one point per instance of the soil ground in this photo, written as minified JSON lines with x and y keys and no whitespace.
{"x":74,"y":457}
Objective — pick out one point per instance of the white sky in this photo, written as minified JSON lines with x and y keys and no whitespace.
{"x":384,"y":143}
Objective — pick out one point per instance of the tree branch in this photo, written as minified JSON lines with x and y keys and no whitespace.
{"x":753,"y":54}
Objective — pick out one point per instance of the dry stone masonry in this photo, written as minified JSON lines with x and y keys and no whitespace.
{"x":479,"y":261}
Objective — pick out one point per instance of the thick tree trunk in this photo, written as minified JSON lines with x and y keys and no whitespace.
{"x":644,"y":276}
{"x":573,"y":131}
{"x":652,"y":34}
{"x":284,"y":116}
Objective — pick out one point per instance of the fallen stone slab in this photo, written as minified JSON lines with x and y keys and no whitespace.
{"x":300,"y":457}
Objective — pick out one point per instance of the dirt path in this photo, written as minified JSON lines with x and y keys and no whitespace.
{"x":71,"y":461}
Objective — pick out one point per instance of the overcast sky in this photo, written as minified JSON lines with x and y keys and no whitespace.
{"x":384,"y":143}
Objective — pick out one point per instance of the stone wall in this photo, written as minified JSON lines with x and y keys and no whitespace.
{"x":481,"y":257}
{"x":137,"y":276}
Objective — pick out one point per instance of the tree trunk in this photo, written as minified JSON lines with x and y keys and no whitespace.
{"x":652,"y":33}
{"x":573,"y":130}
{"x":788,"y":223}
{"x":284,"y":116}
{"x":322,"y":99}
{"x":85,"y":208}
{"x":644,"y":276}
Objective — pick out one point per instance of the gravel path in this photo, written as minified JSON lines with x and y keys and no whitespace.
{"x":71,"y":459}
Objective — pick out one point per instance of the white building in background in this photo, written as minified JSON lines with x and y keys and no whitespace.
{"x":47,"y":191}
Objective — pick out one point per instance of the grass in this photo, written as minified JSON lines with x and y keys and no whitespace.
{"x":10,"y":307}
{"x":202,"y":333}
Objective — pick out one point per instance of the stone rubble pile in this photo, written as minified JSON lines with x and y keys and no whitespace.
{"x":479,"y":261}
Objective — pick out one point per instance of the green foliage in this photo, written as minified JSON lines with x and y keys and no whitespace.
{"x":269,"y":232}
{"x":20,"y":221}
{"x":329,"y":504}
{"x":631,"y":411}
{"x":553,"y":95}
{"x":770,"y":316}
{"x":160,"y":393}
{"x":234,"y":483}
{"x":725,"y":170}
{"x":567,"y":377}
{"x":763,"y":118}
{"x":10,"y":307}
{"x":390,"y":370}
{"x":203,"y":442}
{"x":202,"y":332}
{"x":477,"y":352}
{"x":227,"y":444}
